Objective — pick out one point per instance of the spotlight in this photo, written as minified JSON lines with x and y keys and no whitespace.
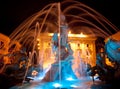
{"x":56,"y":85}
{"x":70,"y":79}
{"x":74,"y":86}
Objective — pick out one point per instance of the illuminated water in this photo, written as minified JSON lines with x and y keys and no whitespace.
{"x":79,"y":18}
{"x":83,"y":83}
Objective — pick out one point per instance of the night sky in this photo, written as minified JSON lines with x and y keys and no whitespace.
{"x":14,"y":12}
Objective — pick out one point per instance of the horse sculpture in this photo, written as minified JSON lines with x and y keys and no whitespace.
{"x":112,"y":48}
{"x":106,"y":72}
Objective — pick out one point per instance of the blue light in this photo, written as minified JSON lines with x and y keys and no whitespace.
{"x":70,"y":79}
{"x":74,"y":86}
{"x":56,"y":85}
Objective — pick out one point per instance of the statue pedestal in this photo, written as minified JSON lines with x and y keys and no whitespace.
{"x":60,"y":71}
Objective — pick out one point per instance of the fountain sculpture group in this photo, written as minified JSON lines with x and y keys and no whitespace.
{"x":56,"y":18}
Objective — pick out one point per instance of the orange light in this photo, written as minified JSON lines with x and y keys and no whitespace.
{"x":72,"y":35}
{"x":38,"y":39}
{"x":69,"y":32}
{"x":82,"y":35}
{"x":38,"y":44}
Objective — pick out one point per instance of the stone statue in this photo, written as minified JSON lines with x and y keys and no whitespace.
{"x":61,"y":69}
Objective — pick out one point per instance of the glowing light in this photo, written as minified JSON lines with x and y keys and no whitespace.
{"x":56,"y":85}
{"x":51,"y":34}
{"x":38,"y":47}
{"x":70,"y":79}
{"x":69,"y":32}
{"x":38,"y":39}
{"x":77,"y":35}
{"x":96,"y":77}
{"x":81,"y":35}
{"x":34,"y":73}
{"x":38,"y":44}
{"x":74,"y":86}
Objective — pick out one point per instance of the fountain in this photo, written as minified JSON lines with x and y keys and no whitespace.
{"x":57,"y":19}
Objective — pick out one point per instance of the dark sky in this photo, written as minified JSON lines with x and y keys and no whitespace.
{"x":14,"y":12}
